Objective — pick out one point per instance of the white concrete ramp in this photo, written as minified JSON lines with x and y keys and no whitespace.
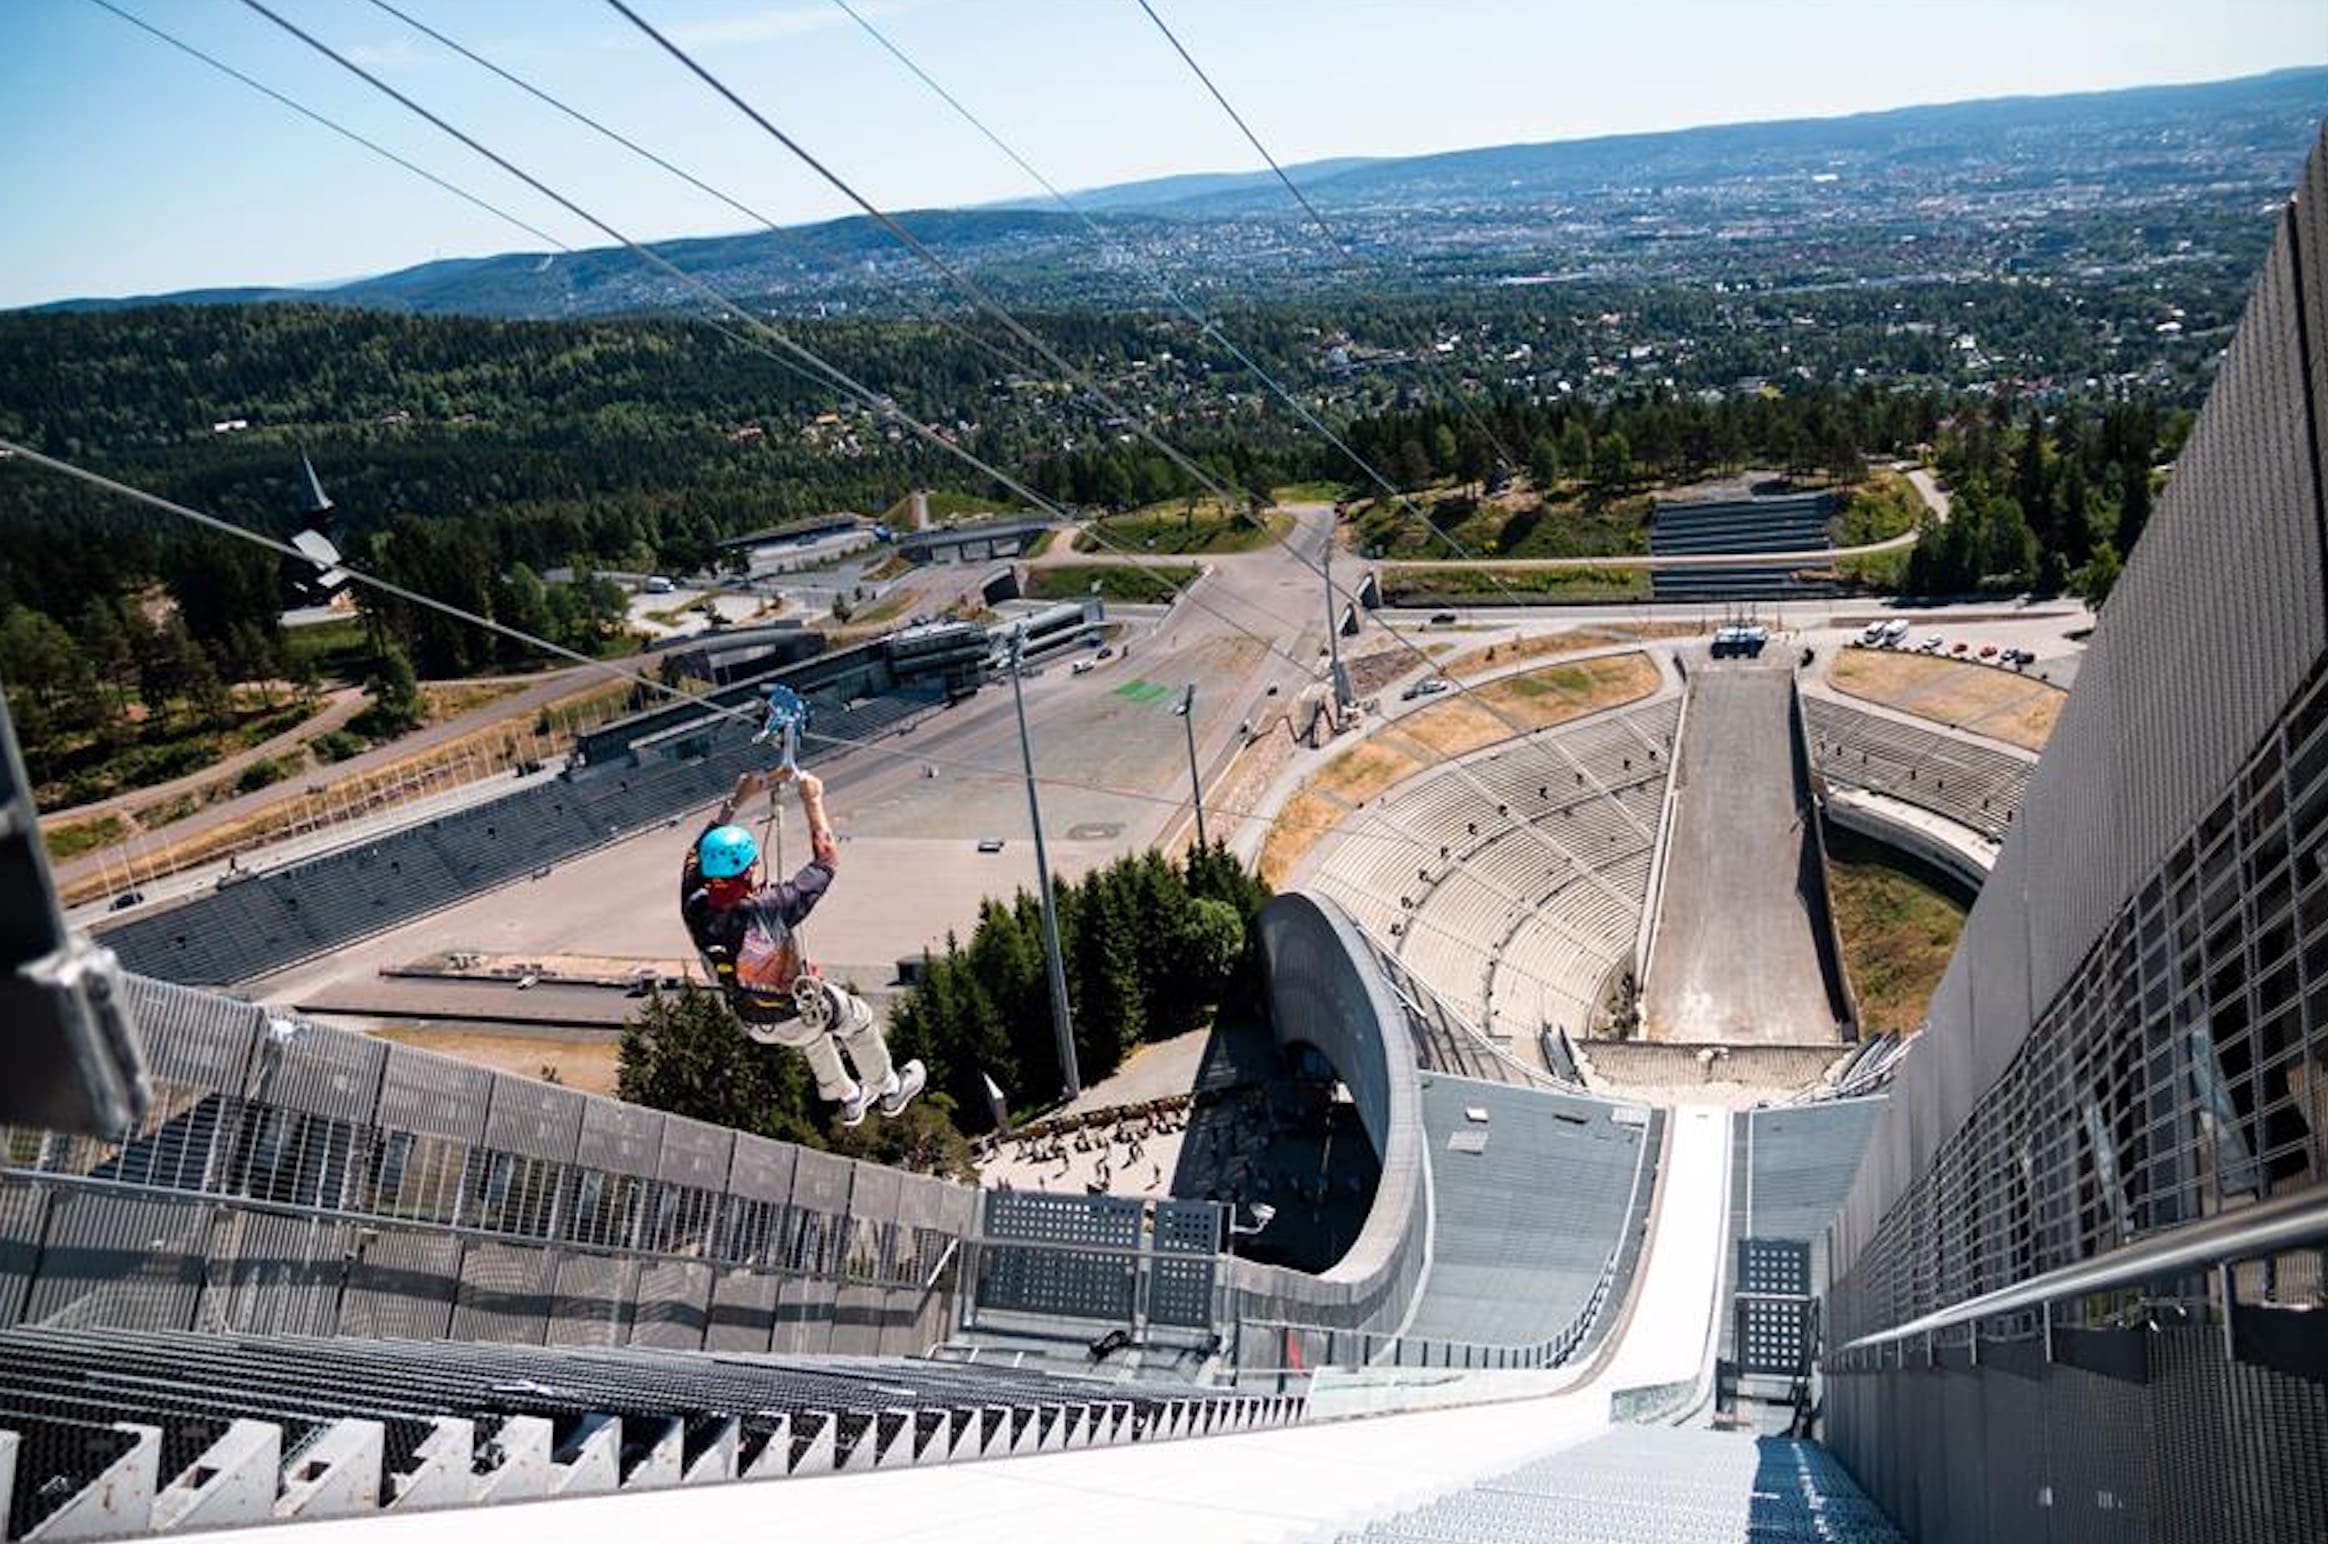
{"x":1311,"y":1481}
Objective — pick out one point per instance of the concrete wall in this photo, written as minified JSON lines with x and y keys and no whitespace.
{"x":1325,"y":990}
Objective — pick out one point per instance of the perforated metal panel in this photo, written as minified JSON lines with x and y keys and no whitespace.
{"x":674,"y":1305}
{"x":594,"y":1296}
{"x":318,"y":1071}
{"x":401,"y":1285}
{"x":762,"y":1169}
{"x":1180,"y":1291}
{"x":23,"y":1219}
{"x":536,"y":1120}
{"x":193,"y":1037}
{"x":1773,"y":1336}
{"x":113,"y":1259}
{"x":1774,"y":1265}
{"x":505,"y":1294}
{"x":1190,"y":1227}
{"x":1105,"y":1221}
{"x":621,"y":1138}
{"x":434,"y":1095}
{"x":695,"y":1154}
{"x":1030,"y":1279}
{"x":743,"y":1312}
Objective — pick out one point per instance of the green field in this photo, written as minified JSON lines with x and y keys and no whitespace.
{"x":1899,"y":922}
{"x":1884,"y":506}
{"x":1511,"y":526}
{"x":1484,"y":585}
{"x":1116,"y":581}
{"x":1187,"y":526}
{"x":1309,"y":492}
{"x":946,"y":504}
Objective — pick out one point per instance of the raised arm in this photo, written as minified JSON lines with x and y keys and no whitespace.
{"x":821,"y":845}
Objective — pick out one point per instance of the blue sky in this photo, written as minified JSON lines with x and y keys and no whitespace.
{"x":129,"y":168}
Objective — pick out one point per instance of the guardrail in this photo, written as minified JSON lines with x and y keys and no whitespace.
{"x":2271,"y":1227}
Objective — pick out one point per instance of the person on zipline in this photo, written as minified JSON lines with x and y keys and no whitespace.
{"x":748,"y":934}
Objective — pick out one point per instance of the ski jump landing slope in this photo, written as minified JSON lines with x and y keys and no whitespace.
{"x":1738,"y":957}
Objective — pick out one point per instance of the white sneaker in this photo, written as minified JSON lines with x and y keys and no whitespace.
{"x":904,"y":1083}
{"x":852,"y":1109}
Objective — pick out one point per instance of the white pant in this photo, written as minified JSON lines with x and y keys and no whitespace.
{"x":854,"y":1030}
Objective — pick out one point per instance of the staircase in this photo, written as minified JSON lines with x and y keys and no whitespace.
{"x":1656,"y":1485}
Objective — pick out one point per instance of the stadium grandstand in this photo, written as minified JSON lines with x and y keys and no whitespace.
{"x":1795,"y":523}
{"x":1529,"y":896}
{"x":1977,"y":784}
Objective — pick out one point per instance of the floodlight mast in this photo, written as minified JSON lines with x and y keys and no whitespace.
{"x":1187,"y":712}
{"x":1062,"y":1027}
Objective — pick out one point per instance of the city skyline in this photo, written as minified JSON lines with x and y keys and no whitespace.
{"x":117,"y":200}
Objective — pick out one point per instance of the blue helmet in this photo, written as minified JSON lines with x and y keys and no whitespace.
{"x":726,"y":852}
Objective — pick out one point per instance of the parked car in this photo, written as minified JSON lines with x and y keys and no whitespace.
{"x":1442,"y":619}
{"x":990,"y":844}
{"x":1988,"y":651}
{"x":1959,"y":647}
{"x":1105,"y":652}
{"x":1428,"y":686}
{"x":126,"y":899}
{"x":1084,"y":667}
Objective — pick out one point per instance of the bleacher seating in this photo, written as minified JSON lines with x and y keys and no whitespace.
{"x":1516,"y":904}
{"x":252,"y":1428}
{"x":1792,"y":523}
{"x":1530,"y":1207}
{"x":1977,"y":786}
{"x":275,"y":919}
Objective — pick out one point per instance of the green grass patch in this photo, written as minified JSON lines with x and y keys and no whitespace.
{"x":1454,"y":526}
{"x":1899,"y":921}
{"x":1188,"y":526}
{"x":1116,"y":581}
{"x":1884,"y":572}
{"x":1882,"y":507}
{"x":339,"y":649}
{"x":1485,"y":585}
{"x":893,"y":565}
{"x":946,"y":504}
{"x":70,"y":841}
{"x":1309,"y":492}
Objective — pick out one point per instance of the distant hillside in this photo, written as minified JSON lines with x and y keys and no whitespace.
{"x":1626,"y":208}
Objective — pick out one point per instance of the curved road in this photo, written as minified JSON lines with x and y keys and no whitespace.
{"x":1926,"y":488}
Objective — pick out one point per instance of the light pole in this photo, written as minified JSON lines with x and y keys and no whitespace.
{"x":1187,"y":712}
{"x":1061,"y":1027}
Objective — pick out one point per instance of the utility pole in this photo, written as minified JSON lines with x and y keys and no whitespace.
{"x":1061,"y":1027}
{"x":1187,"y":712}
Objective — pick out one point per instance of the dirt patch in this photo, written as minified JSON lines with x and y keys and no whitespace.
{"x":2001,"y":704}
{"x":1496,"y":656}
{"x":1299,"y":826}
{"x":589,"y":1065}
{"x":1480,"y":717}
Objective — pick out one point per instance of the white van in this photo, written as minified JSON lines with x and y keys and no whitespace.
{"x":658,"y":585}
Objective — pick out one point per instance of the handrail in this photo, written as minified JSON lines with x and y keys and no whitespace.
{"x":2285,"y":1222}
